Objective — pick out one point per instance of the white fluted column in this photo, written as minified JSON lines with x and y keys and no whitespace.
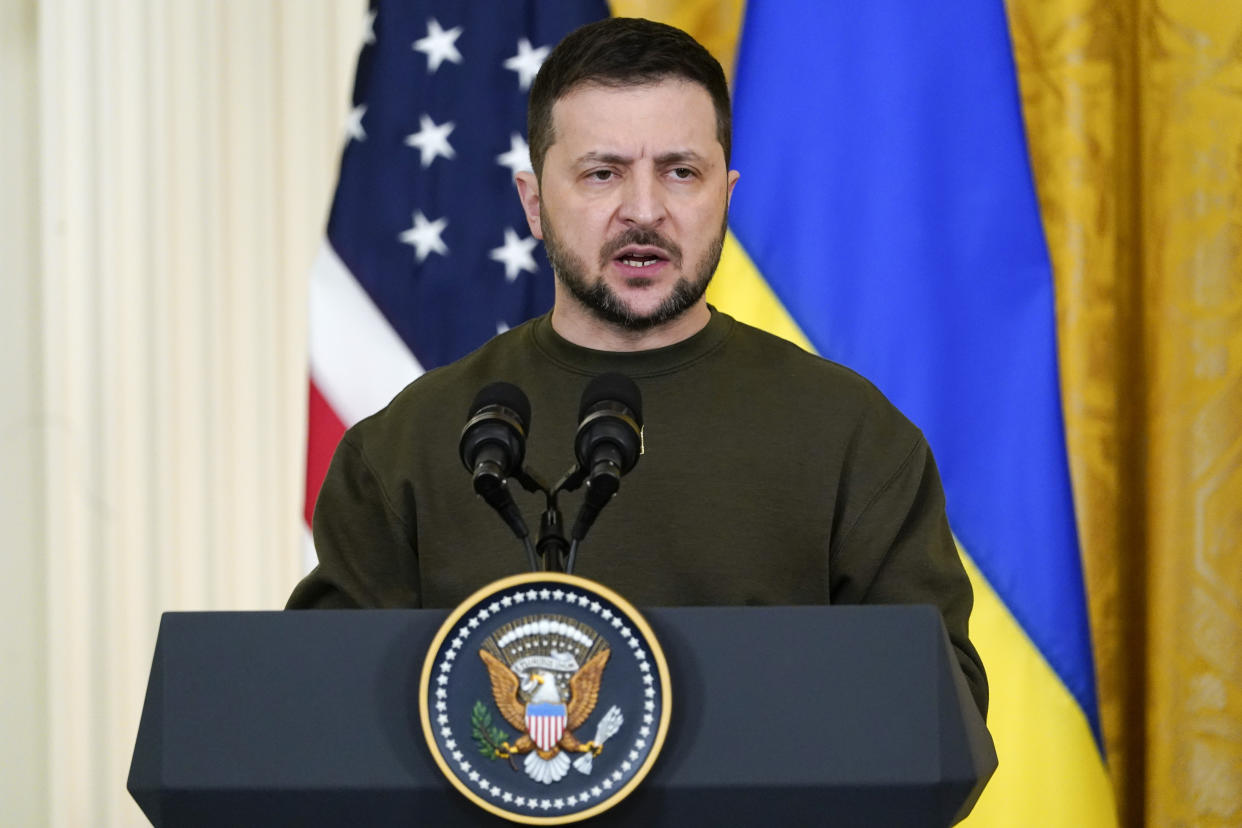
{"x":23,"y":571}
{"x":187,"y":155}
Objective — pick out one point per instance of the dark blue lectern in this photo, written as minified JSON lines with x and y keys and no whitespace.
{"x":834,"y":716}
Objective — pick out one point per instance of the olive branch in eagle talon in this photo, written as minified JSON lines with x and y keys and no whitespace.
{"x":486,"y":735}
{"x":583,"y":695}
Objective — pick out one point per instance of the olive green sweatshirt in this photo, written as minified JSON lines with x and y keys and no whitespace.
{"x":770,"y":477}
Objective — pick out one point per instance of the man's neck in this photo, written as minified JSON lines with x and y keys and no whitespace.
{"x":578,"y":325}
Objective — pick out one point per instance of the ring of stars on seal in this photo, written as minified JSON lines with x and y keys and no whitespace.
{"x":545,"y":698}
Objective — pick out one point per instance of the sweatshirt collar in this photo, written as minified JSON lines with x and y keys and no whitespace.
{"x":589,"y":361}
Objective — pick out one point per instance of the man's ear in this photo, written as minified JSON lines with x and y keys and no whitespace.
{"x":528,"y":194}
{"x":734,"y":175}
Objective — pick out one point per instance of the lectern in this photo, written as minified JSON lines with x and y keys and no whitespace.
{"x":834,"y":716}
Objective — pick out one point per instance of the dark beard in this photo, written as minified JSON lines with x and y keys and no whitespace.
{"x":600,"y":299}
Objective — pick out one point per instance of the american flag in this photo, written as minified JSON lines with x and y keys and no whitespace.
{"x":427,"y":252}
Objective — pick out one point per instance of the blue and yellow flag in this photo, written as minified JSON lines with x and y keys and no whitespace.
{"x":886,"y":218}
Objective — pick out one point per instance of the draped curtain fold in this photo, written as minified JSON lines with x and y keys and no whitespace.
{"x":1134,"y":124}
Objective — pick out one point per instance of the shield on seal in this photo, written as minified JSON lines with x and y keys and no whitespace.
{"x":545,"y":723}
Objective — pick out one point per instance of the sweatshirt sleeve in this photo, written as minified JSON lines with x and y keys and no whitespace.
{"x":366,"y":548}
{"x":899,"y":550}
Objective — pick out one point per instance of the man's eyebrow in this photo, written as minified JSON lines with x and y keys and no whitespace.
{"x":677,"y":157}
{"x":603,"y":158}
{"x":673,"y":157}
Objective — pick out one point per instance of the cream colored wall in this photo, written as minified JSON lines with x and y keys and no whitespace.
{"x":165,"y":171}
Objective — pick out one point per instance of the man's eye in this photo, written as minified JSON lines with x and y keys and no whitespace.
{"x":601,"y":175}
{"x":683,"y":172}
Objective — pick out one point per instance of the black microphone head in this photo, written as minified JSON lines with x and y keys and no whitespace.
{"x":612,"y":387}
{"x":610,"y":419}
{"x":502,"y":393}
{"x":608,"y":442}
{"x":495,"y":432}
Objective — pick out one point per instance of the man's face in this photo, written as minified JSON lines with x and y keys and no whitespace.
{"x":633,"y":199}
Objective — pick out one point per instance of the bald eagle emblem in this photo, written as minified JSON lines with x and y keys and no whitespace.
{"x":545,"y":673}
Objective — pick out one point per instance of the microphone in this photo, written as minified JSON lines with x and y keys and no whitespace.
{"x":607,"y":445}
{"x":493,"y":445}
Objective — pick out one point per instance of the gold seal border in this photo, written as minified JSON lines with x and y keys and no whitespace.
{"x":635,"y":618}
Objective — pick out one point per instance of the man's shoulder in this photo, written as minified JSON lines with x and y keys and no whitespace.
{"x":786,"y":390}
{"x":787,"y":365}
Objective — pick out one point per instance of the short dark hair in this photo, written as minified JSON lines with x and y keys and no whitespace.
{"x":620,"y":52}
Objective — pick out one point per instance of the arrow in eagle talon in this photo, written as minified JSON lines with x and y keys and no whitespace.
{"x":607,"y":728}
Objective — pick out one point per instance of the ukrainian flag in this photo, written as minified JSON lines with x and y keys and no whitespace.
{"x":886,"y":218}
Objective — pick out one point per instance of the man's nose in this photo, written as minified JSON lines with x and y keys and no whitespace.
{"x":642,"y":200}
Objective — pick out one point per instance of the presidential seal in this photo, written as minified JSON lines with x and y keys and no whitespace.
{"x":545,"y":698}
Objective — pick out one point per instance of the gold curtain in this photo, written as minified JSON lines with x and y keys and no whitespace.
{"x":1133,"y":111}
{"x":1134,"y":119}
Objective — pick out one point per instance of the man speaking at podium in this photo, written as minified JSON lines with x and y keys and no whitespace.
{"x":769,"y":476}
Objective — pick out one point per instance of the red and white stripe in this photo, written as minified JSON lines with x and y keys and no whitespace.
{"x":357,"y":364}
{"x":546,"y":729}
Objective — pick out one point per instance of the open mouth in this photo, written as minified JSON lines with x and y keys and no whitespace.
{"x":641,"y":257}
{"x":639,"y":261}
